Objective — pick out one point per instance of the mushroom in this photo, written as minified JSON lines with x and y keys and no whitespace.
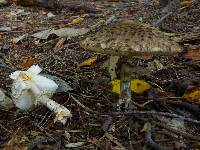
{"x":126,"y":39}
{"x":30,"y":89}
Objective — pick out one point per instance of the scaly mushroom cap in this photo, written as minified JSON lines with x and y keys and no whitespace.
{"x":130,"y":38}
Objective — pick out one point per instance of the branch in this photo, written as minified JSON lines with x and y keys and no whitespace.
{"x":153,"y":113}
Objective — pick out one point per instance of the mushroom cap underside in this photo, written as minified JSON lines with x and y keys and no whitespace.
{"x":130,"y":38}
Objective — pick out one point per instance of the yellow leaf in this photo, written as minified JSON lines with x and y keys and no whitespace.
{"x":88,"y":62}
{"x":115,"y":86}
{"x":137,"y":86}
{"x":193,"y":95}
{"x":77,"y":20}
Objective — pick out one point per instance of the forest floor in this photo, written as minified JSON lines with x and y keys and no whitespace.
{"x":167,"y":120}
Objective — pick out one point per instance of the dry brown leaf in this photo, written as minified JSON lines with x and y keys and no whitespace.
{"x":193,"y":95}
{"x":186,"y":2}
{"x":88,"y":61}
{"x":60,"y":43}
{"x":27,"y":61}
{"x":193,"y":54}
{"x":14,"y":147}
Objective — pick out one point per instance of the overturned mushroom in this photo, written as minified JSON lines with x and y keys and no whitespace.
{"x":127,"y":39}
{"x":30,"y":89}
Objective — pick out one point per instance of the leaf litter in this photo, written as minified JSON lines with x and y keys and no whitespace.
{"x":86,"y":92}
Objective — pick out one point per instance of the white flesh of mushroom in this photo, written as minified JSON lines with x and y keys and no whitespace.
{"x":30,"y":89}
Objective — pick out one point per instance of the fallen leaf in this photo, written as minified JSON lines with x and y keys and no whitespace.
{"x":8,"y":147}
{"x":115,"y":86}
{"x":97,"y":25}
{"x":186,"y":2}
{"x":15,"y":142}
{"x":193,"y":95}
{"x":88,"y":62}
{"x":60,"y":43}
{"x":50,"y":15}
{"x":74,"y":145}
{"x":5,"y":29}
{"x":27,"y":61}
{"x":42,"y":34}
{"x":137,"y":86}
{"x":20,"y":38}
{"x":62,"y":32}
{"x":70,"y":32}
{"x":193,"y":54}
{"x":77,"y":21}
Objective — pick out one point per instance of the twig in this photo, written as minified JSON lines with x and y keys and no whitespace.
{"x":48,"y":42}
{"x":149,"y":142}
{"x":184,"y":134}
{"x":142,"y":105}
{"x":1,"y":126}
{"x":153,"y":113}
{"x":81,"y":105}
{"x":192,"y":107}
{"x":161,"y":19}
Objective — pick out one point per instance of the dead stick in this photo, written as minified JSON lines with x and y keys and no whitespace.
{"x":161,"y":19}
{"x":154,"y":113}
{"x":184,"y":134}
{"x":149,"y":141}
{"x":80,"y":104}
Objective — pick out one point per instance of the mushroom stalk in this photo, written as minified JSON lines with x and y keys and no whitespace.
{"x":125,"y":96}
{"x":125,"y":89}
{"x":62,"y":113}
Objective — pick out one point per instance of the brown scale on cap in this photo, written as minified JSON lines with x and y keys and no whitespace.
{"x":130,"y":38}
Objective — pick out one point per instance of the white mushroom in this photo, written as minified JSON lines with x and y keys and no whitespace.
{"x":30,"y":89}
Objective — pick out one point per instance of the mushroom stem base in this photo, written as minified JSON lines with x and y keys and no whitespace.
{"x":125,"y":96}
{"x":61,"y":112}
{"x":125,"y":89}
